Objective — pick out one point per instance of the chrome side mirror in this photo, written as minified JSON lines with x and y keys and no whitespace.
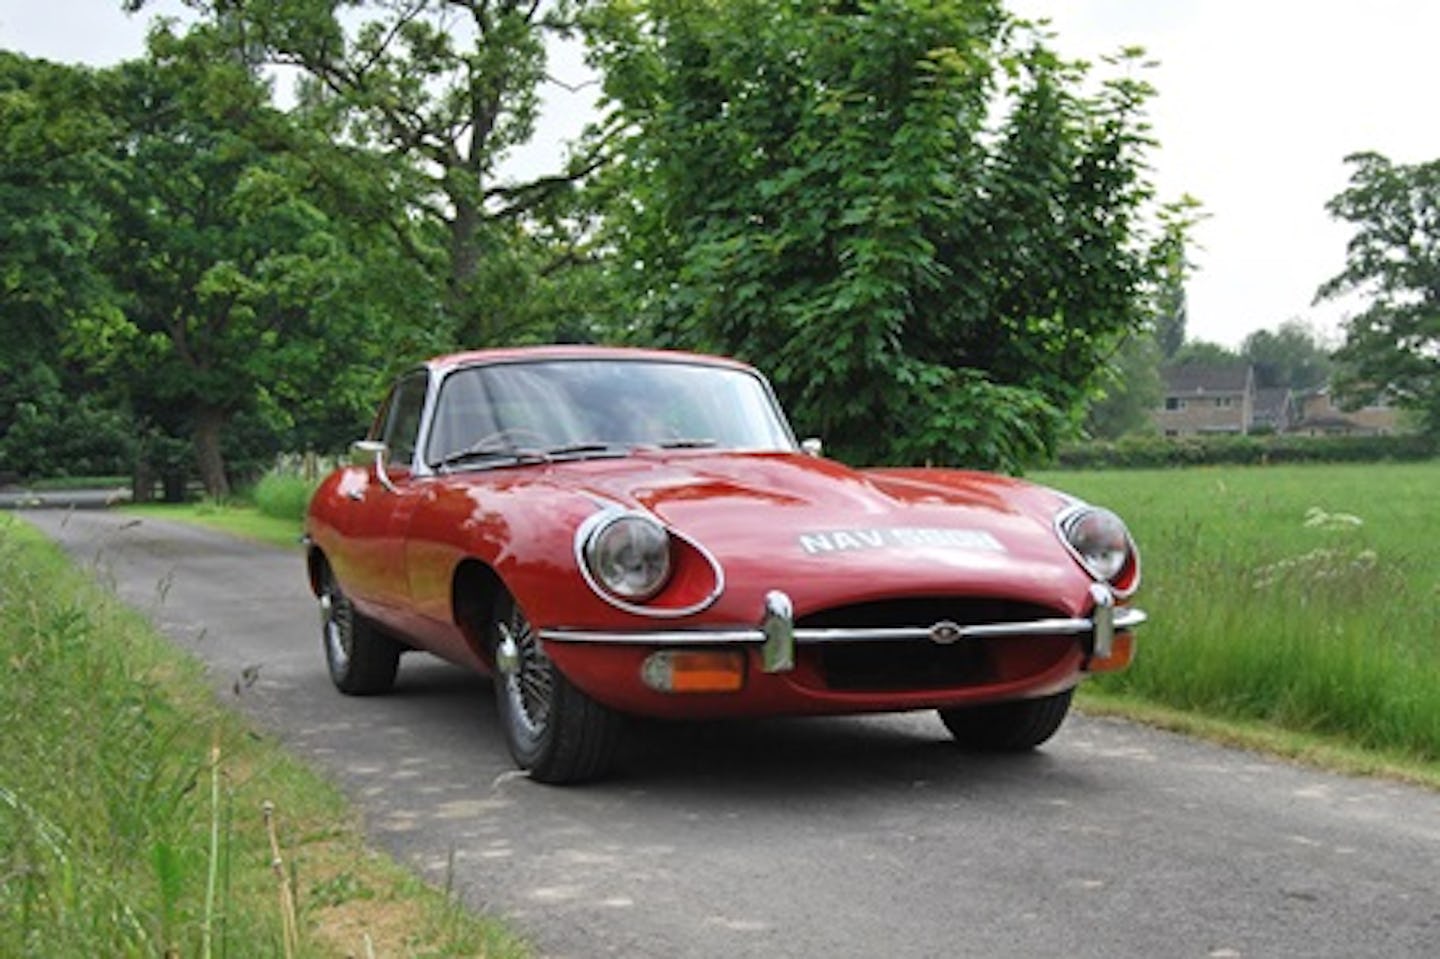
{"x":366,"y":453}
{"x":813,"y":446}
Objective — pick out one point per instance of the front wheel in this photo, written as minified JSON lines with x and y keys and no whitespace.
{"x":1007,"y":727}
{"x":554,"y":731}
{"x":362,"y":660}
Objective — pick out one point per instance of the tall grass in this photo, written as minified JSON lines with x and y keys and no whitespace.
{"x":283,"y":494}
{"x":1307,"y":597}
{"x":133,"y":816}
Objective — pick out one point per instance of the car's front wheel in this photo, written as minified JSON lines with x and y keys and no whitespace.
{"x":1007,"y":727}
{"x":554,"y":731}
{"x":362,"y":660}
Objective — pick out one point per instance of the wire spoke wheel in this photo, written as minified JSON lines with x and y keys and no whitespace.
{"x":553,"y":730}
{"x":362,"y":660}
{"x":530,"y":686}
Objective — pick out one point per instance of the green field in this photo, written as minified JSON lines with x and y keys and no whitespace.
{"x":1306,"y":598}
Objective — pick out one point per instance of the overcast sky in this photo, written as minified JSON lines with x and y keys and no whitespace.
{"x":1259,"y":102}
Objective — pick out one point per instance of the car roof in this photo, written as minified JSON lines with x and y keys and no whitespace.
{"x":515,"y":354}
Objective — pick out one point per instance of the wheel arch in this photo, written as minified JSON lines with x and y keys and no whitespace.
{"x":474,"y":589}
{"x":316,"y":566}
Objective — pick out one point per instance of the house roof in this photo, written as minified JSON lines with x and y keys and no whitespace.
{"x":1271,"y":401}
{"x":1193,"y":379}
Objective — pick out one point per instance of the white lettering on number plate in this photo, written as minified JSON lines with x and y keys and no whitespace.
{"x":898,"y":537}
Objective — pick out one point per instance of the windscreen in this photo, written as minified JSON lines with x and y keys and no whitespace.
{"x":557,"y":404}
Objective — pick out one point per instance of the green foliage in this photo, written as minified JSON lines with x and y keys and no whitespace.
{"x":53,"y":127}
{"x":1392,"y":347}
{"x":1171,"y":307}
{"x":1265,"y":587}
{"x":1157,"y":452}
{"x":432,"y":96}
{"x":47,"y":433}
{"x":1130,"y":390}
{"x":283,"y":495}
{"x":915,"y":216}
{"x":1203,"y":352}
{"x":1292,"y":356}
{"x":244,"y":300}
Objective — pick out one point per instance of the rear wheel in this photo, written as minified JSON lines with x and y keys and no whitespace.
{"x":1007,"y":727}
{"x":553,"y":730}
{"x":362,"y":660}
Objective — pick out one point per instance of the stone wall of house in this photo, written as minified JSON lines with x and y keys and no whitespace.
{"x":1219,"y":413}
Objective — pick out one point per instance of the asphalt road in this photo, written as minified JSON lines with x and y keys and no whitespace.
{"x":807,"y":838}
{"x":15,"y":498}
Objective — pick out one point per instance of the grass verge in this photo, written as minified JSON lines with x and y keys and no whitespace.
{"x":238,"y":519}
{"x":140,"y":818}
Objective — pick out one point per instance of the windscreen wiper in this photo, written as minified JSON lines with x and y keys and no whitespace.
{"x":500,"y":451}
{"x":587,"y":448}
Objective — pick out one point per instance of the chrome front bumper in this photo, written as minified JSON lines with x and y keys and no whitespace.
{"x":778,"y":636}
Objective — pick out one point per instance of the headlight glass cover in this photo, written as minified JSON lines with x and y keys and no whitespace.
{"x":1099,"y":539}
{"x":629,"y":555}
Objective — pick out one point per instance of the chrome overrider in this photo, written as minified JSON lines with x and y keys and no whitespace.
{"x":778,"y":636}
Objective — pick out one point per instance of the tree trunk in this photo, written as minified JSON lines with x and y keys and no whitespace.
{"x":142,"y":485}
{"x":209,"y":425}
{"x":464,"y":264}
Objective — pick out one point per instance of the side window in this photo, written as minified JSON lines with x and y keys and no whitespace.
{"x":402,"y":425}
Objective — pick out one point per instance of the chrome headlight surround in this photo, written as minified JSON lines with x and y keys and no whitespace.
{"x":626,"y":555}
{"x":1101,"y":543}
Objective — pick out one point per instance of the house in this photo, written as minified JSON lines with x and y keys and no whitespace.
{"x":1206,"y":398}
{"x":1321,"y":415}
{"x":1274,"y":410}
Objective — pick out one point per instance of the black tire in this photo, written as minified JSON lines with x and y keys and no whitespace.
{"x":362,"y":660}
{"x":554,"y":731}
{"x":1007,"y":727}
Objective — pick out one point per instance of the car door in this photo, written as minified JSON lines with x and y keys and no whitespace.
{"x":376,"y":574}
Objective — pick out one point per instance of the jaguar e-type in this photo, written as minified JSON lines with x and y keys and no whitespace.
{"x":612,"y":533}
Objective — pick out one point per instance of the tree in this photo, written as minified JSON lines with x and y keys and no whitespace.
{"x":1130,"y":392}
{"x":1203,"y":352}
{"x":1291,"y":356}
{"x":910,"y":214}
{"x":52,"y":127}
{"x":53,"y":130}
{"x":1172,"y":307}
{"x":442,"y":90}
{"x":1392,"y":347}
{"x":238,"y":291}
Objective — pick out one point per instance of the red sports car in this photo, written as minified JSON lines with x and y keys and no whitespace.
{"x":612,"y":533}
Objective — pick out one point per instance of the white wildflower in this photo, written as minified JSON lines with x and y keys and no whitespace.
{"x":1317,"y":518}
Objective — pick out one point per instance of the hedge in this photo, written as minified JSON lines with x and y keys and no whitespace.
{"x":1159,"y":452}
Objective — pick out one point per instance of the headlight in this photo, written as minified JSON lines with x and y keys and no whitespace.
{"x":629,"y":555}
{"x":1101,"y":542}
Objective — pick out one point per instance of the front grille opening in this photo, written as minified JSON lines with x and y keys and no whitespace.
{"x":854,"y":667}
{"x":889,"y":666}
{"x":925,"y":612}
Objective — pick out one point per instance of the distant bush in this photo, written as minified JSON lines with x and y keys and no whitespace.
{"x":60,"y":437}
{"x":1159,"y":452}
{"x":283,"y":495}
